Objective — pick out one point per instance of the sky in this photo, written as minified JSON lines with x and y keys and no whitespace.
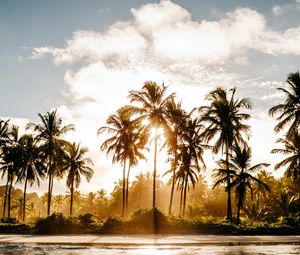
{"x":82,"y":57}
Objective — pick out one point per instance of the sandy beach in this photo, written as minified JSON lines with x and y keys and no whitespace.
{"x":133,"y":240}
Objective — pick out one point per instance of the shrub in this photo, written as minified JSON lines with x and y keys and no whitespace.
{"x":8,"y":228}
{"x":86,"y":219}
{"x":195,"y":211}
{"x":9,"y":220}
{"x":55,"y":224}
{"x":148,"y":221}
{"x":111,"y":225}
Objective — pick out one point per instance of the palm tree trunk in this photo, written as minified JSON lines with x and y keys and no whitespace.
{"x":123,"y":189}
{"x":71,"y":198}
{"x":9,"y":196}
{"x":5,"y":195}
{"x":184,"y":195}
{"x":127,"y":188}
{"x":51,"y":192}
{"x":24,"y":198}
{"x":49,"y":195}
{"x":238,"y":214}
{"x":229,"y":210}
{"x":173,"y":181}
{"x":154,"y":168}
{"x":181,"y":200}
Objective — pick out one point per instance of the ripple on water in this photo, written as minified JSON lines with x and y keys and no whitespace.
{"x":150,"y":250}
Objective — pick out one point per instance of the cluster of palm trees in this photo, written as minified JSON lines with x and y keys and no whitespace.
{"x":42,"y":154}
{"x":220,"y":127}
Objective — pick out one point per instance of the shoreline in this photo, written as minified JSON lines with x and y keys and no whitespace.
{"x":146,"y":240}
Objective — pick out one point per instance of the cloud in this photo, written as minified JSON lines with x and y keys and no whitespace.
{"x":277,"y":43}
{"x":163,"y":31}
{"x":281,"y":9}
{"x":103,"y":10}
{"x":161,"y":42}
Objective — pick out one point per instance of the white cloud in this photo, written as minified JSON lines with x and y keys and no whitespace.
{"x":162,"y":43}
{"x":287,"y":42}
{"x":278,"y":9}
{"x":163,"y":31}
{"x":281,"y":9}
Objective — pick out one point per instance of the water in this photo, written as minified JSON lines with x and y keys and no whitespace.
{"x":277,"y":249}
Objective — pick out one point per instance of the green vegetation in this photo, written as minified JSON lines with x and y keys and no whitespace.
{"x":253,"y":201}
{"x":151,"y":221}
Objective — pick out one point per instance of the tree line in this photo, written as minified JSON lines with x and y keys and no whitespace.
{"x":220,"y":127}
{"x":43,"y":154}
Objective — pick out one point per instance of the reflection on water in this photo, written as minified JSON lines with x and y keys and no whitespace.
{"x":150,"y":250}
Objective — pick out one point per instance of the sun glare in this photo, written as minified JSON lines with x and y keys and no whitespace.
{"x":159,"y":132}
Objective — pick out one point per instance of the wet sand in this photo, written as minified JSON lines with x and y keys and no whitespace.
{"x":139,"y":240}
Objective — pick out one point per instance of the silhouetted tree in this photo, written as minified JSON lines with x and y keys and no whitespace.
{"x":151,"y":100}
{"x":225,"y":123}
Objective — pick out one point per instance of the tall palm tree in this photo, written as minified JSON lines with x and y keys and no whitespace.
{"x":288,"y":112}
{"x":240,"y":165}
{"x":190,"y":155}
{"x":75,"y":164}
{"x":49,"y":132}
{"x":291,"y":148}
{"x":32,"y":165}
{"x":177,"y":119}
{"x":10,"y":164}
{"x":225,"y":124}
{"x":4,"y":138}
{"x":151,"y":100}
{"x":120,"y":127}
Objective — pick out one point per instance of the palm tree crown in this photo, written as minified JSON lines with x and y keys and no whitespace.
{"x":289,"y":111}
{"x":75,"y":164}
{"x":32,"y":164}
{"x":241,"y":172}
{"x":291,"y":148}
{"x":151,"y":100}
{"x":224,"y":119}
{"x":49,"y":133}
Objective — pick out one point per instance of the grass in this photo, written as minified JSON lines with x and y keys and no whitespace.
{"x":151,"y":221}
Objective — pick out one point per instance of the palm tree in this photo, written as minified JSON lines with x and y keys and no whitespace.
{"x":151,"y":100}
{"x":49,"y":132}
{"x":254,"y":209}
{"x":58,"y":201}
{"x":241,"y":169}
{"x":190,"y":153}
{"x":32,"y":165}
{"x":176,"y":118}
{"x":284,"y":203}
{"x":121,"y":142}
{"x":17,"y":205}
{"x":291,"y":148}
{"x":10,"y":164}
{"x":289,"y":111}
{"x":76,"y":165}
{"x":4,"y":130}
{"x":225,"y":125}
{"x":4,"y":137}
